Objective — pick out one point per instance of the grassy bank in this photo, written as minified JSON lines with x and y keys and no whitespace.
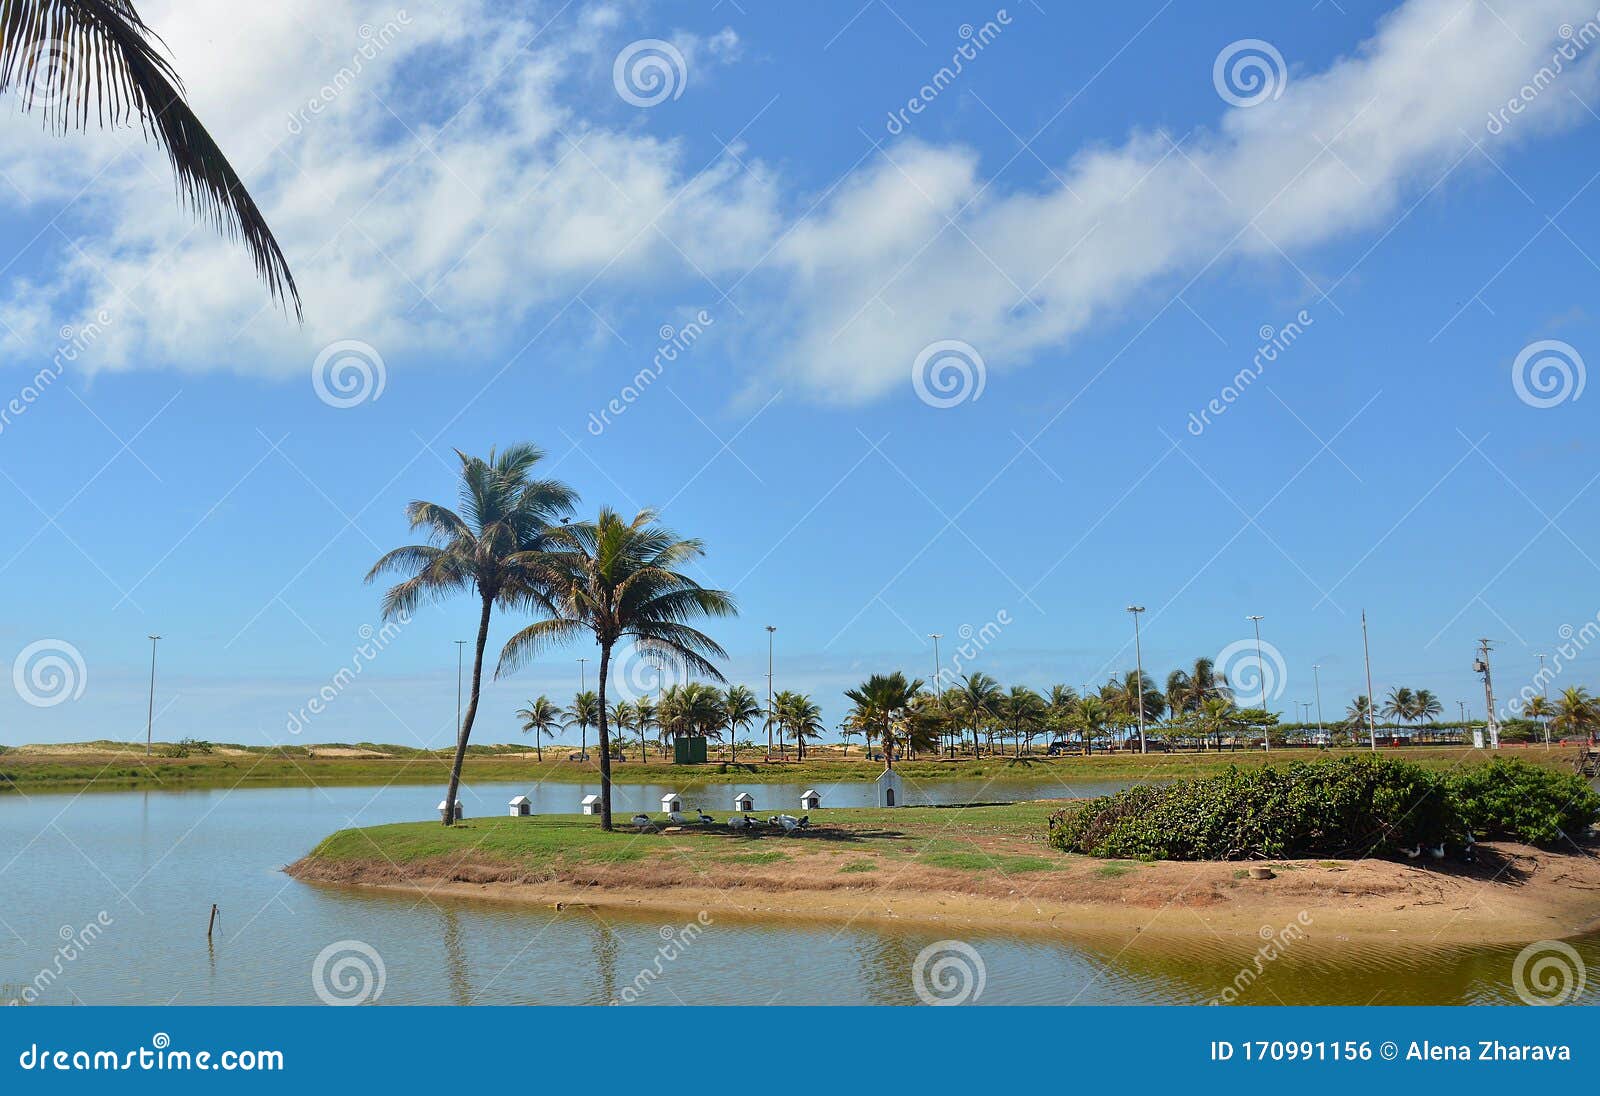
{"x":985,"y":867}
{"x":113,"y":766}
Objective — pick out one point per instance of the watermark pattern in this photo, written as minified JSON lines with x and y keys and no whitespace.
{"x":157,"y":1057}
{"x":74,"y":343}
{"x":1574,"y":641}
{"x":1576,"y":41}
{"x":348,"y":972}
{"x":1253,"y":670}
{"x":1250,"y":72}
{"x":649,"y":72}
{"x":1275,"y":343}
{"x":949,"y":972}
{"x":374,"y":40}
{"x":974,"y":40}
{"x":675,"y":941}
{"x":948,"y":373}
{"x":1274,"y":943}
{"x":74,"y":942}
{"x":348,"y":373}
{"x":973,"y":642}
{"x":48,"y":672}
{"x":635,"y":674}
{"x":1548,"y":373}
{"x":374,"y":641}
{"x":1550,"y":972}
{"x":675,"y":342}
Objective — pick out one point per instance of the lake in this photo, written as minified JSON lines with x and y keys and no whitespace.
{"x":107,"y":897}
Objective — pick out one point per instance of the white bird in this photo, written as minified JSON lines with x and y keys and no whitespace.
{"x":1413,"y":852}
{"x":788,"y":821}
{"x":705,"y":819}
{"x":642,"y":821}
{"x":677,"y":817}
{"x":1437,"y":852}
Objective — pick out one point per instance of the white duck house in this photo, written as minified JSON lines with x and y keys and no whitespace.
{"x":744,"y":801}
{"x":810,"y":800}
{"x":441,"y":808}
{"x":591,"y":804}
{"x":671,"y":802}
{"x":889,"y":791}
{"x":521,"y":807}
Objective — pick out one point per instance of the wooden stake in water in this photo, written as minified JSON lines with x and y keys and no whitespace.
{"x":212,"y":924}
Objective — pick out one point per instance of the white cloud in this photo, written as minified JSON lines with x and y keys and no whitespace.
{"x":454,"y":187}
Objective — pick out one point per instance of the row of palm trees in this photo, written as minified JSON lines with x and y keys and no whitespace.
{"x":1574,"y":714}
{"x":512,"y":544}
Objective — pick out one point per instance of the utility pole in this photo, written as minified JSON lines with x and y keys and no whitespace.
{"x":461,"y":646}
{"x":1261,"y":668}
{"x":150,"y":712}
{"x":1544,"y":685}
{"x":1138,"y":655}
{"x":1481,"y":665}
{"x":938,"y":683}
{"x":1316,"y":679}
{"x":770,"y":629}
{"x":1462,"y":704}
{"x":1366,"y":652}
{"x":583,"y":728}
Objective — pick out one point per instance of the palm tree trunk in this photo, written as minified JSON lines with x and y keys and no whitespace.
{"x":471,"y":713}
{"x":605,"y":743}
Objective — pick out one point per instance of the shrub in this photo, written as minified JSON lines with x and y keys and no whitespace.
{"x":1328,"y":807}
{"x":1514,"y":800}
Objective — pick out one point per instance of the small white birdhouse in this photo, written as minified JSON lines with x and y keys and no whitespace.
{"x":521,"y":806}
{"x":889,"y":791}
{"x":441,"y":809}
{"x":810,"y":800}
{"x":744,"y":801}
{"x":591,"y":804}
{"x":670,"y":802}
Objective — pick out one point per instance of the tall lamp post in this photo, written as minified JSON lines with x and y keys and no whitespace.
{"x":1261,"y":668}
{"x":1366,"y":653}
{"x":770,"y":630}
{"x":1544,"y":684}
{"x":583,"y":687}
{"x":150,"y":710}
{"x":938,"y":685}
{"x":1316,"y":679}
{"x":1138,"y":656}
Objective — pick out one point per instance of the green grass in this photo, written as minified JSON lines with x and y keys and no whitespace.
{"x":858,"y":866}
{"x":114,"y":766}
{"x":1115,"y":870}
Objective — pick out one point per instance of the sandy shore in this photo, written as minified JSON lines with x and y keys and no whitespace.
{"x":1514,"y":894}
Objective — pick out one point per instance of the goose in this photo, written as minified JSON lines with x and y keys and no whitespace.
{"x":740,"y":822}
{"x":1437,"y":852}
{"x":1469,"y":854}
{"x":677,"y":817}
{"x":705,"y":819}
{"x":1413,"y":852}
{"x":805,"y":822}
{"x":789,"y":822}
{"x":642,"y":821}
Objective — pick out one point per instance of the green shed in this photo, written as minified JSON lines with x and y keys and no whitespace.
{"x":689,"y":750}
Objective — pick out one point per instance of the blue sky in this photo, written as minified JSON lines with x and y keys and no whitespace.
{"x":1081,"y":206}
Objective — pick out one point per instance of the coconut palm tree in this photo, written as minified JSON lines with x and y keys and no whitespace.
{"x":848,"y":730}
{"x":626,"y":716}
{"x":1400,"y":706}
{"x":799,"y":716}
{"x":491,"y":548}
{"x":1090,"y":719}
{"x":1358,"y":716}
{"x":617,"y":579}
{"x":1188,"y":689}
{"x":879,"y":701}
{"x":1540,"y":708}
{"x":1214,"y":717}
{"x":647,"y":719}
{"x":543,"y":717}
{"x":1062,"y":704}
{"x":740,"y":709}
{"x":1023,"y":712}
{"x":1577,"y":714}
{"x":585,"y":712}
{"x":78,"y":62}
{"x":1425,"y":707}
{"x":976,"y":698}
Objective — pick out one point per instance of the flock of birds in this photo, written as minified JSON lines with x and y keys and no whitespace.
{"x":788,"y":823}
{"x":1468,"y":853}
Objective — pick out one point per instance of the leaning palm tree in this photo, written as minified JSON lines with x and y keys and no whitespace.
{"x":617,"y":579}
{"x":543,"y":718}
{"x":490,"y":548}
{"x":78,"y":62}
{"x":740,"y":709}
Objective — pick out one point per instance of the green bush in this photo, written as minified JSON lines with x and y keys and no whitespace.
{"x":1349,"y":806}
{"x":1517,"y":801}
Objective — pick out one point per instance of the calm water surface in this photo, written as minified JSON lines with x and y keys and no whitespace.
{"x":148,"y":866}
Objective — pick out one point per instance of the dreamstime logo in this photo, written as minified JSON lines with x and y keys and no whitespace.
{"x":949,"y":373}
{"x":675,"y":941}
{"x":1253,"y":673}
{"x":974,"y":40}
{"x":1275,"y":943}
{"x":349,"y":972}
{"x":49,"y":672}
{"x":1275,"y":343}
{"x":348,"y":373}
{"x":1548,"y":372}
{"x":374,"y":641}
{"x":948,"y":972}
{"x":971,"y":642}
{"x":74,"y":942}
{"x":48,"y":73}
{"x":1549,"y":972}
{"x":75,"y":342}
{"x":635,"y":675}
{"x":1575,"y":41}
{"x":1249,"y":72}
{"x":374,"y":40}
{"x":649,"y":72}
{"x":675,"y":342}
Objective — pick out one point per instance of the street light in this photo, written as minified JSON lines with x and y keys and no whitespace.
{"x":1544,"y":684}
{"x":770,"y":630}
{"x":1316,"y":679}
{"x":1261,"y":668}
{"x":938,"y":686}
{"x":1138,"y":655}
{"x":150,"y":712}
